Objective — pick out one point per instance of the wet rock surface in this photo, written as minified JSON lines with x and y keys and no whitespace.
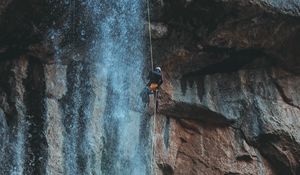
{"x":55,"y":96}
{"x":3,"y":132}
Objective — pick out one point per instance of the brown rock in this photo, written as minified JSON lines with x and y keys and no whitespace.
{"x":189,"y":147}
{"x":246,"y":71}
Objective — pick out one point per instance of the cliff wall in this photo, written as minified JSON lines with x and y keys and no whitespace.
{"x":229,"y":104}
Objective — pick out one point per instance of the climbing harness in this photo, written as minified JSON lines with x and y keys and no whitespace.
{"x":155,"y":93}
{"x":153,"y":87}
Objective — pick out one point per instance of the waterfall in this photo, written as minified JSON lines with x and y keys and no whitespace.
{"x":118,"y":51}
{"x":121,"y":61}
{"x":83,"y":115}
{"x":110,"y":134}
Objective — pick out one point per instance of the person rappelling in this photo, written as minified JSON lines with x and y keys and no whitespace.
{"x":155,"y":75}
{"x":154,"y":82}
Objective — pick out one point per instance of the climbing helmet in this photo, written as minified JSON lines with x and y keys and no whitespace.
{"x":158,"y":69}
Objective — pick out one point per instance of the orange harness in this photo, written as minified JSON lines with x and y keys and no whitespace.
{"x":153,"y":87}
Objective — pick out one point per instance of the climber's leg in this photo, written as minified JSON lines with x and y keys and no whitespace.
{"x":145,"y":96}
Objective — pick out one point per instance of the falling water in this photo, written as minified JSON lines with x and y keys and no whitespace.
{"x":119,"y":56}
{"x":121,"y":61}
{"x":94,"y":117}
{"x":108,"y":135}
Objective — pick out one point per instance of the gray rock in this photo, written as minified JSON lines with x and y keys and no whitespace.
{"x":3,"y":101}
{"x":56,"y":80}
{"x":3,"y":132}
{"x":54,"y":135}
{"x":159,"y":30}
{"x":291,"y":7}
{"x":3,"y":5}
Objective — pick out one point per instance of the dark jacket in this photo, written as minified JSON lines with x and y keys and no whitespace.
{"x":155,"y":77}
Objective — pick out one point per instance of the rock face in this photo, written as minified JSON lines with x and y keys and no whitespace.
{"x":229,"y":104}
{"x":4,"y":134}
{"x":63,"y":109}
{"x":189,"y":147}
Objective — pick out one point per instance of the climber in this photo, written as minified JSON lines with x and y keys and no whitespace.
{"x":155,"y":81}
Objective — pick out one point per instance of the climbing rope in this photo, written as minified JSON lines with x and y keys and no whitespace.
{"x":150,"y":35}
{"x":155,"y":95}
